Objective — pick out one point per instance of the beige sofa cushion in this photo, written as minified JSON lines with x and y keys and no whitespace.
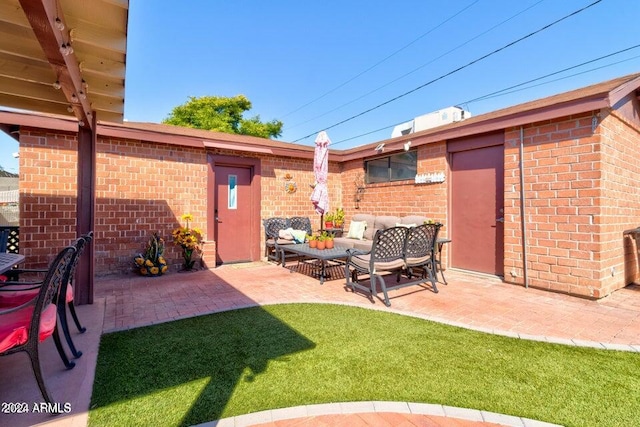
{"x":345,"y":242}
{"x":384,"y":222}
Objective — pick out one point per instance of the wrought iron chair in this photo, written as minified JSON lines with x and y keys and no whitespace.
{"x":301,"y":223}
{"x":14,"y":293}
{"x":419,"y":252}
{"x":22,"y":328}
{"x":88,"y":238}
{"x":273,"y":242}
{"x":4,"y":237}
{"x":386,"y":255}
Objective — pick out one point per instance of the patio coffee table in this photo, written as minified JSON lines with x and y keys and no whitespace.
{"x":336,"y":254}
{"x":8,"y":260}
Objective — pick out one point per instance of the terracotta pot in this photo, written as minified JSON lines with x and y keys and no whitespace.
{"x":328,"y":224}
{"x":329,"y":244}
{"x":313,"y":243}
{"x":321,"y":245}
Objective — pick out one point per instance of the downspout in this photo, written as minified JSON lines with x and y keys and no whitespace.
{"x":523,"y":225}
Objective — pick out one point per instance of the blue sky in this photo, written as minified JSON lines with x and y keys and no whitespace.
{"x":315,"y":64}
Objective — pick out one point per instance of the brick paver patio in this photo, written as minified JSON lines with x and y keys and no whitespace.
{"x":472,"y":301}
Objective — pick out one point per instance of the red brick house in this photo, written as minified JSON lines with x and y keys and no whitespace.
{"x":576,"y":155}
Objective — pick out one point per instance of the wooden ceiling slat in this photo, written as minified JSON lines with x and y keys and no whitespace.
{"x":31,"y":90}
{"x":30,"y":58}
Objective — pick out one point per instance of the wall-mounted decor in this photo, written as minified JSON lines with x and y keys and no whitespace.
{"x":290,"y":187}
{"x":429,"y":178}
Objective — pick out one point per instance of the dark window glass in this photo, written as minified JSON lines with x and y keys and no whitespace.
{"x":396,"y":167}
{"x":378,"y":170}
{"x":403,"y":166}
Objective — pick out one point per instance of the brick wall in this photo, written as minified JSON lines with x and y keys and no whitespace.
{"x":401,"y":198}
{"x":620,"y":140}
{"x":47,"y":195}
{"x":141,"y":188}
{"x":578,"y":199}
{"x":580,"y":187}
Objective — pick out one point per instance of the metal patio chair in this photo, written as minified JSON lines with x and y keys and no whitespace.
{"x":419,"y":253}
{"x":22,"y":328}
{"x":386,"y":255}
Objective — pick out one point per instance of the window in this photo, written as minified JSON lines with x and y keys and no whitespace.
{"x":397,"y":167}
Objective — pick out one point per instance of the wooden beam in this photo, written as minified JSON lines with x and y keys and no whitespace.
{"x":85,"y":205}
{"x":42,"y":16}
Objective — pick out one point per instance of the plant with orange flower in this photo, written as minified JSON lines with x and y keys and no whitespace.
{"x":189,"y":239}
{"x":152,"y":263}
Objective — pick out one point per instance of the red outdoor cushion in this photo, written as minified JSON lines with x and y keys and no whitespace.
{"x":14,"y":327}
{"x":10,"y":299}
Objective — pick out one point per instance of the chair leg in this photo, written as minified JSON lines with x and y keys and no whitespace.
{"x":56,"y":339}
{"x":62,"y":316}
{"x":72,"y":309}
{"x":384,"y":289}
{"x":433,"y":278}
{"x":34,"y":357}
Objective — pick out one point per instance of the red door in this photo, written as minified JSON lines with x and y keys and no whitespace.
{"x":477,"y":213}
{"x":233,"y":201}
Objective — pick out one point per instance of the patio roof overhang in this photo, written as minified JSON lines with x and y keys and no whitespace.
{"x":64,"y":57}
{"x":67,"y":57}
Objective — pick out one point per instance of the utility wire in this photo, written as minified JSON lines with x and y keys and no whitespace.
{"x":418,"y":68}
{"x":380,"y":62}
{"x":504,"y":91}
{"x":453,"y":71}
{"x":508,"y":90}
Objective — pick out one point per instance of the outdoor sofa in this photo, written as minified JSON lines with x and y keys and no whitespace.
{"x":373,"y":223}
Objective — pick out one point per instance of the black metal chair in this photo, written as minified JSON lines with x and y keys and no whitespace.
{"x":12,"y":236}
{"x":273,"y":242}
{"x":14,"y":293}
{"x":69,"y":295}
{"x":386,"y":255}
{"x":4,"y":237}
{"x":301,"y":223}
{"x":66,"y":295}
{"x":22,"y":328}
{"x":419,"y":252}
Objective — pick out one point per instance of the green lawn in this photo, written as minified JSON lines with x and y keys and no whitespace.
{"x":201,"y":369}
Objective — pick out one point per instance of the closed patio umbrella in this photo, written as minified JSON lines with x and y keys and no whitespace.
{"x":320,"y":194}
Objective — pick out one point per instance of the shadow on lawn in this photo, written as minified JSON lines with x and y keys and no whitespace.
{"x":199,"y":361}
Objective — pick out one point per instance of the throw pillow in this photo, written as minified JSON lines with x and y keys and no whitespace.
{"x":286,"y":234}
{"x":299,"y":235}
{"x":356,"y":230}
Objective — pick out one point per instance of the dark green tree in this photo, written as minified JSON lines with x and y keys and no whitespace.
{"x":222,"y":114}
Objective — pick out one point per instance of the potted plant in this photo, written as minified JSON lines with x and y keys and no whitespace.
{"x":189,"y":239}
{"x":328,"y":240}
{"x":313,"y":243}
{"x":328,"y":220}
{"x":152,"y":263}
{"x":321,"y":239}
{"x":338,"y":218}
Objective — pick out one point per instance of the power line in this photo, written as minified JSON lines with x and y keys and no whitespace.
{"x":380,"y":62}
{"x":504,"y":91}
{"x":453,"y":71}
{"x":507,"y":91}
{"x":418,"y":68}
